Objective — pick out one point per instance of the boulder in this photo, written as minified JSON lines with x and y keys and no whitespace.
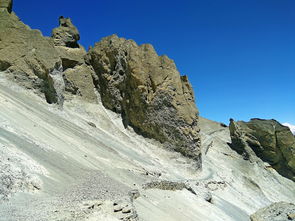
{"x":280,"y":211}
{"x":66,"y":34}
{"x":6,"y":5}
{"x":148,"y":91}
{"x":27,"y":56}
{"x":269,"y":140}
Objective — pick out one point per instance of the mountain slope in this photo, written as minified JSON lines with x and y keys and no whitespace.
{"x":78,"y":163}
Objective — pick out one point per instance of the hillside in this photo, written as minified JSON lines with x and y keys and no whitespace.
{"x":55,"y":165}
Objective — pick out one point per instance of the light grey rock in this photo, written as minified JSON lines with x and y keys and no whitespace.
{"x":280,"y":211}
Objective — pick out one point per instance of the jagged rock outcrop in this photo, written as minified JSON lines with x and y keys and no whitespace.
{"x":66,"y":34}
{"x":77,"y":74}
{"x":35,"y":61}
{"x":6,"y":5}
{"x":148,"y":91}
{"x":29,"y":57}
{"x":280,"y":211}
{"x":269,"y":140}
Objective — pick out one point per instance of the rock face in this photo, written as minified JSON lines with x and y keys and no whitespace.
{"x":28,"y":56}
{"x":77,"y":74}
{"x":149,"y":93}
{"x":133,"y":80}
{"x":35,"y":61}
{"x":280,"y":211}
{"x":269,"y":140}
{"x":66,"y":34}
{"x":6,"y":5}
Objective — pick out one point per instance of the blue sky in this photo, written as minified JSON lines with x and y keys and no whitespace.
{"x":239,"y":54}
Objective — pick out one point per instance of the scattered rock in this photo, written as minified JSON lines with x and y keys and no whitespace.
{"x":91,"y":124}
{"x":168,"y":185}
{"x":267,"y":139}
{"x":133,"y":194}
{"x":280,"y":211}
{"x":148,"y":91}
{"x":215,"y":185}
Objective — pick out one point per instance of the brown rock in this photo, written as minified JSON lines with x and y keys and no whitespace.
{"x":269,"y":140}
{"x":148,"y":91}
{"x":6,"y":5}
{"x":29,"y":57}
{"x":78,"y":81}
{"x":66,"y":34}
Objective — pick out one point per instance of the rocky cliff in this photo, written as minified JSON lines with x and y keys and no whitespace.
{"x":269,"y":140}
{"x":146,"y":89}
{"x":29,"y":57}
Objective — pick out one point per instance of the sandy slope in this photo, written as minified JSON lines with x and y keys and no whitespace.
{"x":54,"y":164}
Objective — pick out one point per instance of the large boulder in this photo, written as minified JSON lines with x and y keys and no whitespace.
{"x":280,"y":211}
{"x":269,"y":140}
{"x":148,"y":91}
{"x":66,"y":34}
{"x":6,"y":5}
{"x":30,"y":58}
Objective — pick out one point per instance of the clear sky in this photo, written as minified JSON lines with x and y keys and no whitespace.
{"x":238,"y":54}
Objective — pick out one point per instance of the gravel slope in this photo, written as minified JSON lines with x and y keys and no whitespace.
{"x":80,"y":163}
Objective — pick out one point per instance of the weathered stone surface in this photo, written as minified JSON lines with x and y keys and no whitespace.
{"x":148,"y":91}
{"x":78,"y":81}
{"x":6,"y":5}
{"x":77,"y":74}
{"x":66,"y":34}
{"x":71,"y":57}
{"x":280,"y":211}
{"x":28,"y":56}
{"x":269,"y":140}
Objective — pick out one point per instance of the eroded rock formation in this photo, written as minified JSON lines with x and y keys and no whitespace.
{"x":148,"y":91}
{"x":269,"y":140}
{"x":66,"y":34}
{"x":27,"y":55}
{"x":6,"y":5}
{"x":133,"y":80}
{"x":77,"y":74}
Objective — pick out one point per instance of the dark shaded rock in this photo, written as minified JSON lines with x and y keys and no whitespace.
{"x":66,"y":34}
{"x":280,"y":211}
{"x":269,"y":140}
{"x":6,"y":5}
{"x":149,"y":93}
